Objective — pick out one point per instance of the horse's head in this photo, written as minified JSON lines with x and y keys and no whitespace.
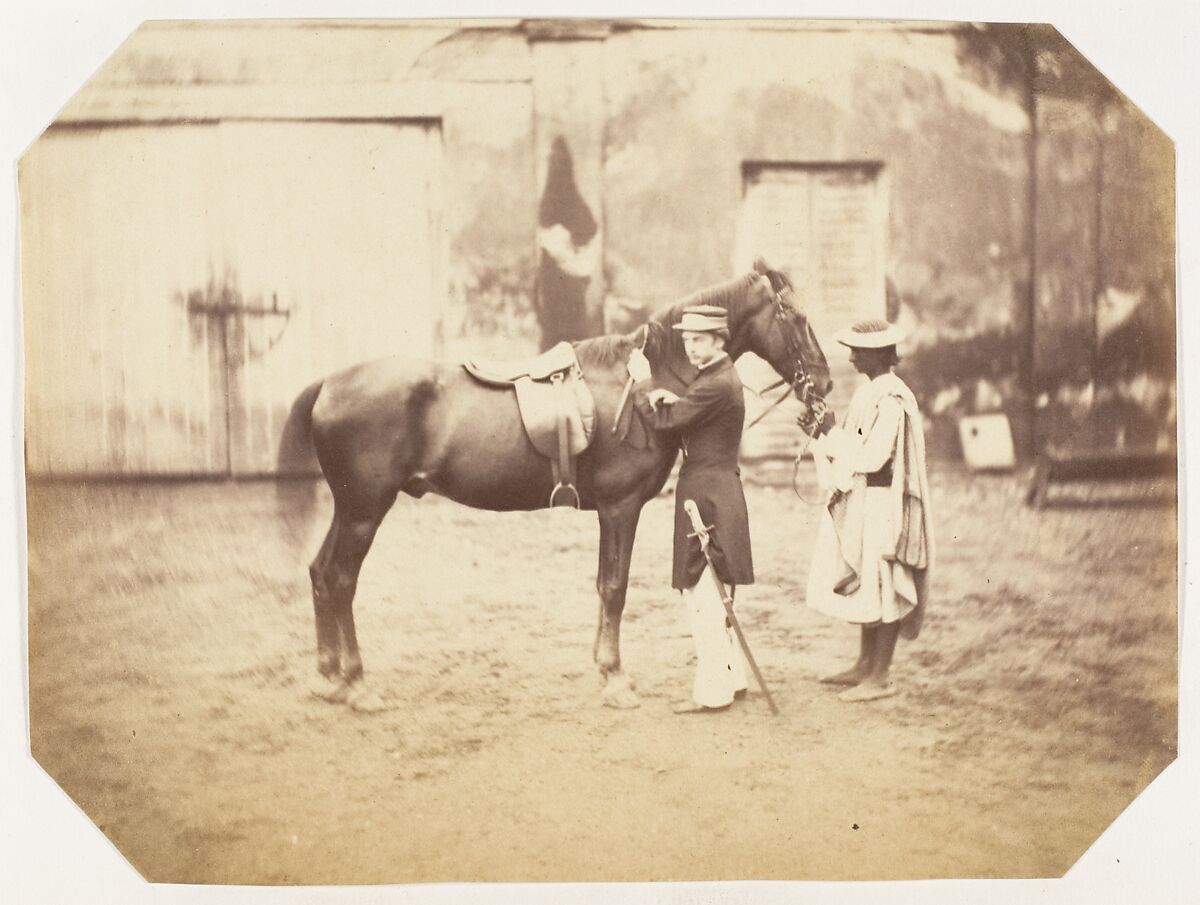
{"x":774,"y":328}
{"x":763,"y":319}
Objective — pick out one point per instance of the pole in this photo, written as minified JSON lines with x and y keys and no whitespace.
{"x":1028,"y":354}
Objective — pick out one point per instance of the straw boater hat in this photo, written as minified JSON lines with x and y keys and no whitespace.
{"x":703,"y":319}
{"x":872,"y":334}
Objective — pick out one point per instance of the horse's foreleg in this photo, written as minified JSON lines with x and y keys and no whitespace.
{"x":618,"y":525}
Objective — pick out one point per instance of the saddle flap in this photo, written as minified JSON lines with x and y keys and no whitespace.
{"x":551,"y":396}
{"x":540,"y":404}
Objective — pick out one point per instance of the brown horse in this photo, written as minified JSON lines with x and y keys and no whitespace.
{"x":416,"y":426}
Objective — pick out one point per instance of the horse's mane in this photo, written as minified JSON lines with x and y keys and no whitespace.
{"x":728,"y":295}
{"x":606,"y":350}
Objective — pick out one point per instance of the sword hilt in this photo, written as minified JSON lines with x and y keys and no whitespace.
{"x":700,"y":529}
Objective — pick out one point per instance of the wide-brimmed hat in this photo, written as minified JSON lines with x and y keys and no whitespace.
{"x":703,"y":319}
{"x":873,"y":334}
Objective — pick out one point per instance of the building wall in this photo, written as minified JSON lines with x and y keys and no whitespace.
{"x":1105,"y":332}
{"x":944,"y":120}
{"x":476,"y":81}
{"x":183,"y":281}
{"x":201,"y":240}
{"x":683,"y":109}
{"x":687,"y":108}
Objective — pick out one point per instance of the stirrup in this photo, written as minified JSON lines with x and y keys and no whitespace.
{"x":561,"y":485}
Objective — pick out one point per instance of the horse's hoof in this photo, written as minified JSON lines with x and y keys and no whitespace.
{"x":329,"y":688}
{"x":362,"y":700}
{"x":618,"y":693}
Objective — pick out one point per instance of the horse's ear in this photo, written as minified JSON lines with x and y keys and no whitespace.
{"x":777,"y":278}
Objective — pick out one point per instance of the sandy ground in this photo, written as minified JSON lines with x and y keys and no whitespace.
{"x":171,"y":646}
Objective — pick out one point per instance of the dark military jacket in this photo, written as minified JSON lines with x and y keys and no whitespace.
{"x":709,"y":419}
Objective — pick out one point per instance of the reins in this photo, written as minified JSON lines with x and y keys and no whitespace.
{"x":645,"y":328}
{"x":802,"y":385}
{"x":774,"y":405}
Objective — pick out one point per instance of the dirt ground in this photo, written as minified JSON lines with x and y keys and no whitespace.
{"x":171,"y":647}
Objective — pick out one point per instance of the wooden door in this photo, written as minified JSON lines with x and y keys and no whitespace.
{"x":115,"y":225}
{"x":826,"y":225}
{"x":332,"y":241}
{"x":182,"y":282}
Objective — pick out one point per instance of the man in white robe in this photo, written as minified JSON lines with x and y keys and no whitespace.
{"x":874,"y":544}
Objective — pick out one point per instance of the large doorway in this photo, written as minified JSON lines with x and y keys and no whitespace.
{"x":826,"y":225}
{"x":183,"y":281}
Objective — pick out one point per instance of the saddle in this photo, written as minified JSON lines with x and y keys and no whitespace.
{"x":557,"y":409}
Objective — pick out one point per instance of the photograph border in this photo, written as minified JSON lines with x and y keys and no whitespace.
{"x":50,"y":851}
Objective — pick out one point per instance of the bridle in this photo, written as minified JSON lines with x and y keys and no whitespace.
{"x":801,"y":383}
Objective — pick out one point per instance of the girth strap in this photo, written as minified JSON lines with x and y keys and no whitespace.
{"x":562,"y":469}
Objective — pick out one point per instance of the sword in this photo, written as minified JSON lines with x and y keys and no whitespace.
{"x":701,"y":531}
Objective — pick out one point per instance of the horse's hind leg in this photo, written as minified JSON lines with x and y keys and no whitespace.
{"x":329,"y":684}
{"x":354,"y":540}
{"x":340,"y":560}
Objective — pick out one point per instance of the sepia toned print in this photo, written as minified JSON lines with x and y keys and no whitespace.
{"x":357,"y":531}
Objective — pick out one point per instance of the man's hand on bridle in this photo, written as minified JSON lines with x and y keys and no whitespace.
{"x":814,"y":430}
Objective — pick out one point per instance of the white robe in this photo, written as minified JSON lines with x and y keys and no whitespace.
{"x":888,"y":589}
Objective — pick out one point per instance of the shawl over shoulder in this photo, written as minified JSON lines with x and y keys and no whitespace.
{"x":910,"y":495}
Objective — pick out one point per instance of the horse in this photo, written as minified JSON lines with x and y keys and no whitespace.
{"x":415,"y":426}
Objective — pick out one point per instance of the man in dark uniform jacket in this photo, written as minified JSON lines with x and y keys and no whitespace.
{"x":709,"y":418}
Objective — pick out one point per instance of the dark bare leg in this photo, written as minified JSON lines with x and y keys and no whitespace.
{"x":876,"y":683}
{"x":862,"y":667}
{"x":618,"y":525}
{"x":885,"y":647}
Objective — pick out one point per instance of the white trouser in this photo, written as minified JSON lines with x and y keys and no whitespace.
{"x":720,"y":665}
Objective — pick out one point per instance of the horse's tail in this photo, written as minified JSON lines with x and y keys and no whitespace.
{"x":297,"y":467}
{"x":296,"y":454}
